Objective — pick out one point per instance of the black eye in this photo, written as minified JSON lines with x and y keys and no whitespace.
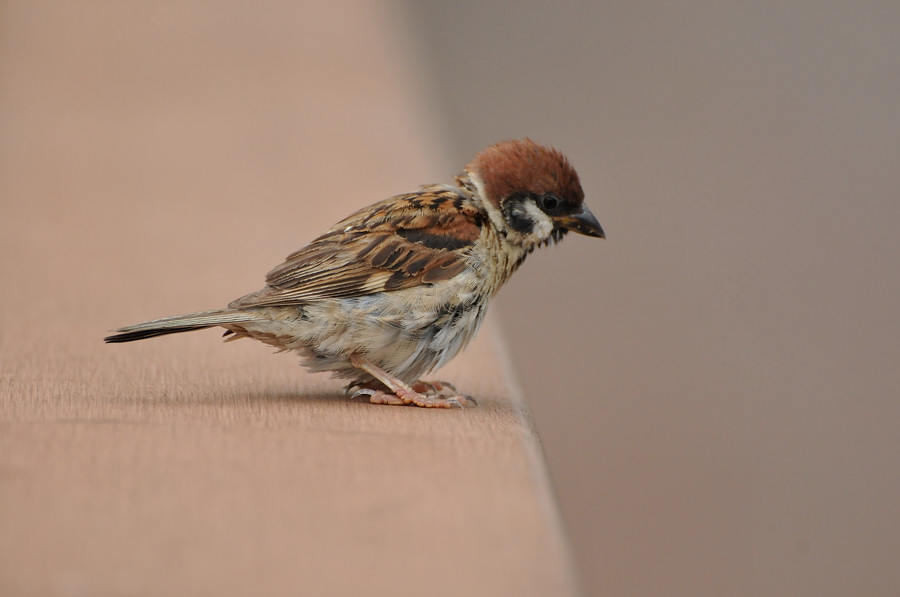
{"x":549,"y":203}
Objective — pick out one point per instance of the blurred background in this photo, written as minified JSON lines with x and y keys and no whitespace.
{"x":715,"y":385}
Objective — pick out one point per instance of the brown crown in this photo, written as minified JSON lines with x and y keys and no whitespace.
{"x":525,"y":166}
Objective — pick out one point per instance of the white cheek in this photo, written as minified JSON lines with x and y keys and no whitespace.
{"x":493,"y":213}
{"x":543,"y":225}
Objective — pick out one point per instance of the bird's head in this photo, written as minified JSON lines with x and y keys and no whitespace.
{"x":531,"y":192}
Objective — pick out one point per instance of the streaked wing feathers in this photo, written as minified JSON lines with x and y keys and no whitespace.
{"x":412,"y":239}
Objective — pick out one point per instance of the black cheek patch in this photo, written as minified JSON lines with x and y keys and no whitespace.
{"x":520,"y":222}
{"x":515,"y":215}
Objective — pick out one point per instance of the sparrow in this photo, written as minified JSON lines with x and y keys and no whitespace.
{"x":399,"y":288}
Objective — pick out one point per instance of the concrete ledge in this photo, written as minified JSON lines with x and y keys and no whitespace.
{"x":160,"y":163}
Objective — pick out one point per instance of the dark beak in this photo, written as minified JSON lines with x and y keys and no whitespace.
{"x":582,"y":222}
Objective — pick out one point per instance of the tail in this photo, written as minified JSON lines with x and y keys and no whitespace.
{"x":178,"y":324}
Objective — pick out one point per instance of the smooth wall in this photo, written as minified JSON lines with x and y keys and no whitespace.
{"x":716,"y":384}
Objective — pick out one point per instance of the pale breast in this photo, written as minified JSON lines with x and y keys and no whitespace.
{"x":407,"y":332}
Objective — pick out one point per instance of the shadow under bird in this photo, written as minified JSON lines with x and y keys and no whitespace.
{"x":398,"y":288}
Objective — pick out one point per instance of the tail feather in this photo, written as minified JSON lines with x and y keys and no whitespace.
{"x":178,"y":324}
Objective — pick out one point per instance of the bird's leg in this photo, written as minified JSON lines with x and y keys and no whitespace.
{"x":402,"y":393}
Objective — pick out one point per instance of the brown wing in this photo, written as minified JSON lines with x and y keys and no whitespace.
{"x":412,"y":239}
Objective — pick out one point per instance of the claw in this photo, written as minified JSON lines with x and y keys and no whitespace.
{"x":467,"y":398}
{"x":362,"y":392}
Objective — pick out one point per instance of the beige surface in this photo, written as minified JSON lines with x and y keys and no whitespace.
{"x":159,"y":158}
{"x":717,"y":383}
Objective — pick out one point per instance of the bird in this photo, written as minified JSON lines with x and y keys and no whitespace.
{"x":399,"y":288}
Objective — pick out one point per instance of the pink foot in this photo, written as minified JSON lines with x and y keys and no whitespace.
{"x":433,"y":388}
{"x":407,"y":397}
{"x":435,"y":394}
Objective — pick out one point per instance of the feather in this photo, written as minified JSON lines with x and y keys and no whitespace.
{"x":178,"y":324}
{"x":401,"y":242}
